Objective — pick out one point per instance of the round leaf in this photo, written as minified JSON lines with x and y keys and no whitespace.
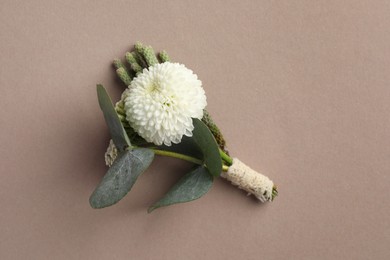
{"x":121,"y":177}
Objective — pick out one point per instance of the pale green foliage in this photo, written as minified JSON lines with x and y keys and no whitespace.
{"x":164,"y":57}
{"x":149,"y":56}
{"x":131,"y":59}
{"x":124,"y":76}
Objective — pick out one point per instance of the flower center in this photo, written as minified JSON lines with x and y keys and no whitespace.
{"x":153,"y":87}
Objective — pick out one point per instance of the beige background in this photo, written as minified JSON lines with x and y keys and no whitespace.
{"x":300,"y":89}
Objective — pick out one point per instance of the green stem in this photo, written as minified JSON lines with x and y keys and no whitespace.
{"x":178,"y":156}
{"x":183,"y":157}
{"x":226,"y":158}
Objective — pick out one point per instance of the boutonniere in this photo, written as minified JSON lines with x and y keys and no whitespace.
{"x":162,"y":112}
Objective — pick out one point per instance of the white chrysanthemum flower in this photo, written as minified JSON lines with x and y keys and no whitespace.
{"x":161,"y":102}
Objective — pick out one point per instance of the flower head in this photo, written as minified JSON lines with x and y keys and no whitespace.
{"x":161,"y":102}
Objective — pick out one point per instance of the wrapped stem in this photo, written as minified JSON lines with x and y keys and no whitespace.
{"x":251,"y":181}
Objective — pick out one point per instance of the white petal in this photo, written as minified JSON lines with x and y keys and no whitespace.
{"x":161,"y":102}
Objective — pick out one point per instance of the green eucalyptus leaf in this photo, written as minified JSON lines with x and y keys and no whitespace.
{"x":117,"y":132}
{"x":190,"y":187}
{"x":187,"y":146}
{"x":121,"y":177}
{"x":209,"y":147}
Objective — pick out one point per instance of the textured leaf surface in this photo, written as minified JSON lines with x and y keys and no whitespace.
{"x":209,"y":147}
{"x":117,"y":132}
{"x":192,"y":186}
{"x":121,"y":177}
